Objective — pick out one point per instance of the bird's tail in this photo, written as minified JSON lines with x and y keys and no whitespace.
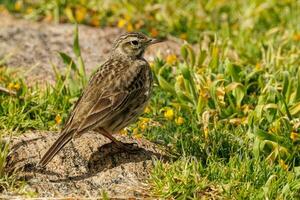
{"x":63,"y":139}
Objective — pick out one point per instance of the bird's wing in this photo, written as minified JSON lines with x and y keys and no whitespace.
{"x":96,"y":106}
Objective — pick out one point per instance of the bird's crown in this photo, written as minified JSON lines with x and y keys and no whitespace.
{"x":132,"y":44}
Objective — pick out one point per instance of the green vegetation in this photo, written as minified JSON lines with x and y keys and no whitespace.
{"x":183,"y":18}
{"x":228,"y":108}
{"x":42,"y":107}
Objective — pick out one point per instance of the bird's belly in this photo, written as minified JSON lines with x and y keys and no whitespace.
{"x":127,"y":116}
{"x":132,"y":109}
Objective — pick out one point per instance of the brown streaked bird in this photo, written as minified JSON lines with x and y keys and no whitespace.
{"x":115,"y":95}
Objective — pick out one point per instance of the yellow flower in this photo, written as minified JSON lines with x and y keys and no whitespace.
{"x":153,"y":32}
{"x":171,"y":59}
{"x":244,"y":120}
{"x":29,"y":10}
{"x":139,"y":24}
{"x":272,"y":129}
{"x":18,"y":5}
{"x":13,"y":86}
{"x":147,"y":110}
{"x":127,"y":17}
{"x":296,"y":37}
{"x":122,"y":23}
{"x":95,"y":21}
{"x":58,"y":119}
{"x":294,"y":136}
{"x":258,"y":66}
{"x":17,"y":86}
{"x":169,"y":114}
{"x":283,"y":165}
{"x":179,"y":121}
{"x":48,"y":17}
{"x":138,"y":136}
{"x":129,"y":27}
{"x":143,"y":126}
{"x":235,"y":121}
{"x":124,"y":131}
{"x":144,"y":119}
{"x":183,"y":36}
{"x":136,"y":133}
{"x":204,"y":94}
{"x":246,"y":108}
{"x":80,"y":14}
{"x":143,"y":123}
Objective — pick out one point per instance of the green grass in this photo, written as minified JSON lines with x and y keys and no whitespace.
{"x":238,"y":178}
{"x":35,"y":107}
{"x":228,"y":109}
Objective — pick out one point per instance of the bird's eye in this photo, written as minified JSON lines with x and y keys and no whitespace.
{"x":134,"y":42}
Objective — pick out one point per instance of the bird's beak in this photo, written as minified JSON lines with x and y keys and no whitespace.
{"x":154,"y":41}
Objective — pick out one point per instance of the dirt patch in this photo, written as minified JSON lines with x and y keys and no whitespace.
{"x":34,"y":45}
{"x":86,"y":167}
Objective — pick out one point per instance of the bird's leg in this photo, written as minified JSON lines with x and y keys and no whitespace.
{"x":126,"y":146}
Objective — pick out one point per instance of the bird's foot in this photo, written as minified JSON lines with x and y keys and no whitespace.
{"x":129,"y":147}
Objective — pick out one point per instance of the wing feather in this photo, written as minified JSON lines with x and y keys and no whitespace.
{"x":110,"y":102}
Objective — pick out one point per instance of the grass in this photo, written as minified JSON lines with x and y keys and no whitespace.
{"x":238,"y":178}
{"x":228,"y":108}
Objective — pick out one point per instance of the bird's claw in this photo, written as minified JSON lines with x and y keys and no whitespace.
{"x":129,"y":147}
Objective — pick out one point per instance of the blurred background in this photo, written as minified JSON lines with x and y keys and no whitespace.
{"x":185,"y":19}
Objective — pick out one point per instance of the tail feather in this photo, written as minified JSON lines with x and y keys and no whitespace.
{"x":63,"y":139}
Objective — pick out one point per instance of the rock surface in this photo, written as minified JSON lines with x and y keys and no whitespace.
{"x":35,"y":45}
{"x":85,"y":167}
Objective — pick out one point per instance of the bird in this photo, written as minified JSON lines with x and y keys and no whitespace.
{"x":114,"y":97}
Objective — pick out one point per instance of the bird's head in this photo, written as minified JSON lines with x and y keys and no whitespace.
{"x":132,"y":44}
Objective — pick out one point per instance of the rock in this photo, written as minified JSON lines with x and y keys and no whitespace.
{"x":85,"y":167}
{"x":34,"y":46}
